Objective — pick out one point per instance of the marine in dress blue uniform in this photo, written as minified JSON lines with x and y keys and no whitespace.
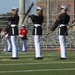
{"x":13,"y":31}
{"x":37,"y":31}
{"x":62,"y":21}
{"x":7,"y":43}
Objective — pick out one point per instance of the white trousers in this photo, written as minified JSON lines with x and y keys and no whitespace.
{"x":18,"y":44}
{"x":37,"y":43}
{"x":7,"y":44}
{"x":62,"y":41}
{"x":14,"y":47}
{"x":24,"y":45}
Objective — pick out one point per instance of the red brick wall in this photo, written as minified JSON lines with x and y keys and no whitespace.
{"x":54,"y":6}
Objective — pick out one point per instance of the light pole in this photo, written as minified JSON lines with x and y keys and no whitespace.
{"x":21,"y":11}
{"x":48,"y":13}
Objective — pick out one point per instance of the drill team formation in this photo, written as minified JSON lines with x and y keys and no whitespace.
{"x":12,"y":33}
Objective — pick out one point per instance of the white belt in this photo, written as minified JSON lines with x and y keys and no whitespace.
{"x":13,"y":25}
{"x":36,"y":25}
{"x":62,"y":25}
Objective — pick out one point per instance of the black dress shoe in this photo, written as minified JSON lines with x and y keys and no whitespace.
{"x":23,"y":51}
{"x":13,"y":58}
{"x":62,"y":58}
{"x":38,"y":58}
{"x":9,"y":51}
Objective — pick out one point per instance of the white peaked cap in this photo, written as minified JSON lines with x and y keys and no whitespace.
{"x":64,"y":7}
{"x":23,"y":25}
{"x":39,"y":7}
{"x":15,"y":8}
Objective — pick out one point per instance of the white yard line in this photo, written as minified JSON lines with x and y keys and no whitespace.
{"x":39,"y":70}
{"x":37,"y":63}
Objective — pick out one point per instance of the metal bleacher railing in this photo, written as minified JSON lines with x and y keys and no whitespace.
{"x":46,"y":42}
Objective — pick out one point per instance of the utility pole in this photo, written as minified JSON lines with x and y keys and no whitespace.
{"x":21,"y":11}
{"x":48,"y":14}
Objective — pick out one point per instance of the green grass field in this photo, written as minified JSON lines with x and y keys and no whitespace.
{"x":26,"y":65}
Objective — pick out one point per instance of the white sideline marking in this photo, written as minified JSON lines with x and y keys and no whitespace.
{"x":37,"y":63}
{"x":39,"y":70}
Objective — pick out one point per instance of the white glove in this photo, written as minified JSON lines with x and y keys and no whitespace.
{"x":6,"y":35}
{"x":21,"y":36}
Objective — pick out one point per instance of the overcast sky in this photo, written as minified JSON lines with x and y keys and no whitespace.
{"x":6,"y":5}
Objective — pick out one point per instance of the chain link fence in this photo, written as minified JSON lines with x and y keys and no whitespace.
{"x":46,"y":42}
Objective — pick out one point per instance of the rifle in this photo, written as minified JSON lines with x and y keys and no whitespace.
{"x":27,"y":12}
{"x":73,"y":24}
{"x":49,"y":32}
{"x":53,"y":28}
